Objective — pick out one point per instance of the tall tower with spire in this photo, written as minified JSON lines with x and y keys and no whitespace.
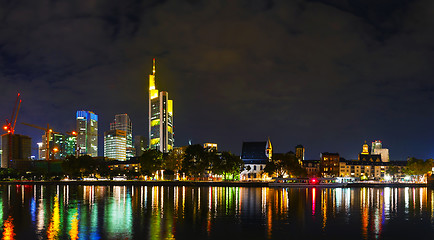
{"x":161,"y":135}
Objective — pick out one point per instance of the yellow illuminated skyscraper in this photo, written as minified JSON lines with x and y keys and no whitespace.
{"x":160,"y":117}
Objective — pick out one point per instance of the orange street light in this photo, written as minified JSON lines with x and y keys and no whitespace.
{"x":55,"y":149}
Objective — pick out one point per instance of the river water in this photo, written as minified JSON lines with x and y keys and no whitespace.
{"x":162,"y":212}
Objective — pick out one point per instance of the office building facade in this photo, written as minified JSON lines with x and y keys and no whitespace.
{"x":115,"y":145}
{"x":161,"y":135}
{"x":299,"y":153}
{"x":210,"y":147}
{"x":329,"y":164}
{"x":140,"y":145}
{"x":87,"y":133}
{"x":60,"y":146}
{"x":122,"y":122}
{"x":15,"y":147}
{"x":377,"y":149}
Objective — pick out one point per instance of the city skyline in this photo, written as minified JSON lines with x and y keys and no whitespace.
{"x":322,"y":74}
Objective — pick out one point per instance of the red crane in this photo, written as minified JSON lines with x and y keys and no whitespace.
{"x":10,"y":124}
{"x":48,"y":131}
{"x":10,"y":127}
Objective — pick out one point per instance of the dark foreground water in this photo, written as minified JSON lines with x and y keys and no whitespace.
{"x":126,"y":212}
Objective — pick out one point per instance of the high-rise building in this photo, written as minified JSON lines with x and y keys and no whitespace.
{"x":161,"y":135}
{"x":140,"y":145}
{"x":299,"y":153}
{"x":115,"y":144}
{"x":60,"y":146}
{"x":15,"y":147}
{"x":87,"y":133}
{"x":123,"y":122}
{"x":377,"y":148}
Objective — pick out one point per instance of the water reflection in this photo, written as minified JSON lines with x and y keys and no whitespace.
{"x":8,"y":229}
{"x":160,"y":212}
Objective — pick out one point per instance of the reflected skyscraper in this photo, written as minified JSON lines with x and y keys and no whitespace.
{"x":161,"y":135}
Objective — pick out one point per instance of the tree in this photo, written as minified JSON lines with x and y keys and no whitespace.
{"x":393,"y":171}
{"x":151,"y":161}
{"x":84,"y":165}
{"x":172,"y":163}
{"x":418,"y":167}
{"x":285,"y":164}
{"x":71,"y":166}
{"x":196,"y":161}
{"x":226,"y":164}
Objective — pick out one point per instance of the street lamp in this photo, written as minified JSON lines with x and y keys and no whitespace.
{"x":55,"y":150}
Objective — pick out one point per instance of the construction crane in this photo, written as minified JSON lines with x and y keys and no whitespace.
{"x":48,"y":131}
{"x":10,"y":127}
{"x":10,"y":124}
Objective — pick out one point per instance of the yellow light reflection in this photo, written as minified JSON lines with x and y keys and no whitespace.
{"x":8,"y":229}
{"x":53,"y":227}
{"x":324,"y":197}
{"x":365,"y":213}
{"x":74,"y":227}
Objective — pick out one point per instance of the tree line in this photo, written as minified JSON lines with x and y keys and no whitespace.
{"x":195,"y":162}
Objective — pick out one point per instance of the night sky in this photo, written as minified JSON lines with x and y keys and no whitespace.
{"x":326,"y":74}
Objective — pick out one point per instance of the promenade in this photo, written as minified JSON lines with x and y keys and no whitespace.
{"x":195,"y":183}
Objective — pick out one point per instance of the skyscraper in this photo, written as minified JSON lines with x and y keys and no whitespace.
{"x":140,"y":145}
{"x":15,"y":147}
{"x":299,"y":153}
{"x":87,"y":128}
{"x":377,"y":148}
{"x":123,"y":122}
{"x":115,"y":145}
{"x":161,"y":135}
{"x":60,"y":146}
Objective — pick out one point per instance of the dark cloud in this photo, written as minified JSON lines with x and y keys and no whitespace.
{"x":327,"y":74}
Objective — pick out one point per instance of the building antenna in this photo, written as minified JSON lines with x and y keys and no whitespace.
{"x":153,"y":67}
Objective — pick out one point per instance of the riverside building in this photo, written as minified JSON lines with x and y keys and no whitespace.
{"x":161,"y":135}
{"x":255,"y":156}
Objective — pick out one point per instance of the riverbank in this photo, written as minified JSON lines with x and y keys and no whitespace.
{"x":193,"y":183}
{"x":142,"y":183}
